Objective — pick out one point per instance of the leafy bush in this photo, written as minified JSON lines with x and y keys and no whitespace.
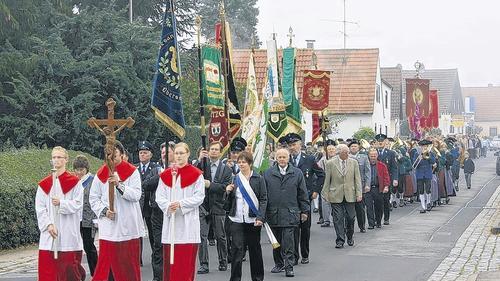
{"x":20,"y":171}
{"x":366,"y":133}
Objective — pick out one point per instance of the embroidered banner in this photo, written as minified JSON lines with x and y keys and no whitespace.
{"x":316,"y":89}
{"x":218,"y":128}
{"x":433,"y":109}
{"x":289,"y":92}
{"x":253,"y":106}
{"x":166,"y":100}
{"x":213,"y":87}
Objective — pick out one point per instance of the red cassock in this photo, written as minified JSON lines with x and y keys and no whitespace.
{"x":121,"y":258}
{"x":183,"y":268}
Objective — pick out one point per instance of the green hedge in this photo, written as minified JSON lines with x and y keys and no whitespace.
{"x":20,"y":171}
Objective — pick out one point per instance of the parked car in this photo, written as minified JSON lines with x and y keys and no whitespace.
{"x":495,"y":143}
{"x":497,"y":154}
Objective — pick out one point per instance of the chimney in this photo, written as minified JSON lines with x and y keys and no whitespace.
{"x":490,"y":85}
{"x":310,"y":44}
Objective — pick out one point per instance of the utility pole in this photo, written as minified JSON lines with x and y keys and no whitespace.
{"x":130,"y":10}
{"x":345,"y":22}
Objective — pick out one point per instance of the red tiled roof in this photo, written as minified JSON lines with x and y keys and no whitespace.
{"x":487,"y":100}
{"x":353,"y":82}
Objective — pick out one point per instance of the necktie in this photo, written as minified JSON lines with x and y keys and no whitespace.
{"x":143,"y":169}
{"x":343,"y":167}
{"x":296,"y":160}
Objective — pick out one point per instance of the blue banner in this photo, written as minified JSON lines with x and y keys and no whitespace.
{"x":166,"y":100}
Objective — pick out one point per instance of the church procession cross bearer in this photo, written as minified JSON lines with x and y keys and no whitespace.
{"x":109,"y":149}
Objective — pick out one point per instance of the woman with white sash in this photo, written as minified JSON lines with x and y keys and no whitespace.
{"x":246,"y":202}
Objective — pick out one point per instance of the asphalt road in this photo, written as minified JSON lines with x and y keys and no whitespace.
{"x":410,"y":248}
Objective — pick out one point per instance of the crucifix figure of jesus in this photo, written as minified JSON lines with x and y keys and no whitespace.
{"x":110,"y":133}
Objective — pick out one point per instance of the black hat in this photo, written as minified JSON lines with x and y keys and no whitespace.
{"x":145,"y":145}
{"x":331,"y":142}
{"x":415,"y":139}
{"x":424,"y":142}
{"x":283,"y":140}
{"x":390,"y":139}
{"x":292,"y":137}
{"x":380,"y":137}
{"x":238,"y":144}
{"x":450,"y":139}
{"x":354,"y":141}
{"x":349,"y":140}
{"x":339,"y":140}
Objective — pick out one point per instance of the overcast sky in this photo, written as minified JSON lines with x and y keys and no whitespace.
{"x":440,"y":33}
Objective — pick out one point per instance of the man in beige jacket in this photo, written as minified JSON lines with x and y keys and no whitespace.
{"x":342,"y":188}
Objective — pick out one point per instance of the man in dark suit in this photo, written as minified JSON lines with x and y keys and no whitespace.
{"x":212,"y":210}
{"x":314,"y":177}
{"x":388,"y":157}
{"x":287,"y":206}
{"x":148,"y":170}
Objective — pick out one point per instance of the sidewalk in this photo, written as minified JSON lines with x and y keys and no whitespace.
{"x":476,"y":254}
{"x":23,"y":260}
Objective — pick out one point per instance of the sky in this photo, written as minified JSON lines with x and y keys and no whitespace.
{"x":439,"y":33}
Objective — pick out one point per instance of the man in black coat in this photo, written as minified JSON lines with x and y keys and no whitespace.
{"x":314,"y":177}
{"x":388,"y":157}
{"x":287,"y":205}
{"x":148,"y":171}
{"x":212,"y":210}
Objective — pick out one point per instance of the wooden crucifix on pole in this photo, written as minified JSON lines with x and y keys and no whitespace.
{"x":110,"y":133}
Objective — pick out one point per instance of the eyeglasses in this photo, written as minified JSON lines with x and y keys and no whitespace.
{"x":180,"y":153}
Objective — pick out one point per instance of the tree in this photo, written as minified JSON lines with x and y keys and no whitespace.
{"x":242,"y":18}
{"x":365,"y":133}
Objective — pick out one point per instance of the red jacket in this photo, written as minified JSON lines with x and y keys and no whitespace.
{"x":383,"y":176}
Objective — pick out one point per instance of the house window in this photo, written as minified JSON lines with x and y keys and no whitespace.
{"x":493,"y":131}
{"x":378,"y":94}
{"x":386,"y":130}
{"x":386,"y":99}
{"x":375,"y":129}
{"x":380,"y":129}
{"x":452,"y":129}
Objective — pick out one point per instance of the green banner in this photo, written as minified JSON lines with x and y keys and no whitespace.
{"x":277,"y":122}
{"x":213,"y":87}
{"x":289,"y":92}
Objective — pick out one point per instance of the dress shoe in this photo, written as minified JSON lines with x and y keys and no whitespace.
{"x":401,"y":203}
{"x":315,"y":210}
{"x":371,"y":227}
{"x":211,"y":242}
{"x":203,"y":270}
{"x":289,"y":272}
{"x":379,"y":225}
{"x":363,"y":230}
{"x":325,"y":224}
{"x":304,"y":261}
{"x":321,"y":221}
{"x":386,"y":222}
{"x":422,"y":211}
{"x":222,"y":267}
{"x":277,"y":269}
{"x":394,"y":204}
{"x":339,"y":245}
{"x":429,"y":207}
{"x":350,"y":242}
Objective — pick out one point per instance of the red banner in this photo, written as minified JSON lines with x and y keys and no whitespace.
{"x":316,"y":127}
{"x":433,"y":119}
{"x":218,"y":128}
{"x":417,"y":97}
{"x":316,"y":89}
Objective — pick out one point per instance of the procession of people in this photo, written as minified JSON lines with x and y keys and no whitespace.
{"x":179,"y":203}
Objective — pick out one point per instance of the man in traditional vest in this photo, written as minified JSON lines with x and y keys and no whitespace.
{"x":119,"y":230}
{"x":58,"y":205}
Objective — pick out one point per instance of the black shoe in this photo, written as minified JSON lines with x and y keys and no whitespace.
{"x":321,"y":221}
{"x":363,"y":230}
{"x":325,"y":224}
{"x":401,"y":203}
{"x":339,"y":245}
{"x":350,"y":242}
{"x":371,"y":227}
{"x":422,"y":211}
{"x":222,"y":267}
{"x":315,"y":210}
{"x":277,"y":269}
{"x":394,"y":204}
{"x":386,"y":222}
{"x":468,"y":187}
{"x":429,"y":207}
{"x":379,"y":225}
{"x":289,"y":272}
{"x":304,"y":261}
{"x":211,"y":242}
{"x":203,"y":270}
